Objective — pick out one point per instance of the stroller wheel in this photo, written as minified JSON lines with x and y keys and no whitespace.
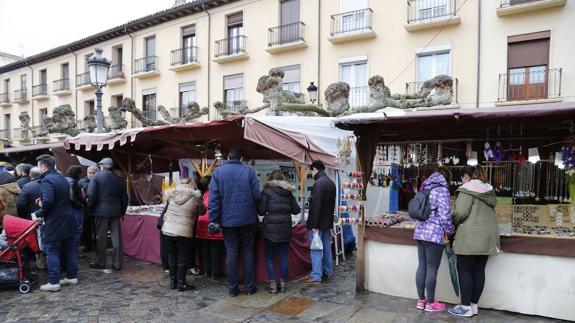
{"x":24,"y":288}
{"x":33,"y":279}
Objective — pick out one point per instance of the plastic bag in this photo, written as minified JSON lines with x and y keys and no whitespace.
{"x":316,"y":243}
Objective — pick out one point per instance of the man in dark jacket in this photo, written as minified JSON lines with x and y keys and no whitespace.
{"x":59,"y":225}
{"x":107,"y":203}
{"x":23,"y":172}
{"x":234,"y":196}
{"x":320,"y":220}
{"x":26,"y":202}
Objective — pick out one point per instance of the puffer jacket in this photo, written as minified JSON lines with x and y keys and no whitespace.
{"x":440,"y":221}
{"x":184,"y":207}
{"x":8,"y":196}
{"x":474,"y":216}
{"x":277,"y":206}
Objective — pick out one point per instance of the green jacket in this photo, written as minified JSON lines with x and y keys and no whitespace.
{"x":477,"y":231}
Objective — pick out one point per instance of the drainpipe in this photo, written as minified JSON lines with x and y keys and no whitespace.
{"x":209,"y":54}
{"x":75,"y":73}
{"x":478,"y":53}
{"x":319,"y":51}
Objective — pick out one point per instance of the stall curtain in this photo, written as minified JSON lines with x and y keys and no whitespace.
{"x":365,"y":147}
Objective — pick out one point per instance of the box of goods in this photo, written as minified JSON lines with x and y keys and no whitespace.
{"x":504,"y":212}
{"x":562,"y":220}
{"x":531,"y":220}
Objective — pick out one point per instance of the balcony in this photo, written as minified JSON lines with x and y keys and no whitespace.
{"x":83,"y":82}
{"x":5,"y":134}
{"x":21,"y":96}
{"x":184,"y":59}
{"x":352,"y":25}
{"x":358,"y":96}
{"x":530,"y":85}
{"x":285,"y":38}
{"x":425,"y":14}
{"x":230,"y":49}
{"x":61,"y":87}
{"x":146,"y":67}
{"x":412,"y":88}
{"x":5,"y":100}
{"x":116,"y":74}
{"x":40,"y":92}
{"x":512,"y":7}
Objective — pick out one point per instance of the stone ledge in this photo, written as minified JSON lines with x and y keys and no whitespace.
{"x":433,"y":23}
{"x":529,"y":6}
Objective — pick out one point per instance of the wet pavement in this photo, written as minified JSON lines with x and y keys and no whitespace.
{"x":140,"y":293}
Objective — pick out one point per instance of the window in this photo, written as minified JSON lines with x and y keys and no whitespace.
{"x":86,"y":67}
{"x":188,"y":44}
{"x":234,"y":91}
{"x":117,"y":54}
{"x":430,"y":65}
{"x":528,"y":66}
{"x":89,"y":108}
{"x":235,"y":33}
{"x":6,"y":85}
{"x":149,"y":103}
{"x":117,"y":100}
{"x":23,"y":81}
{"x":429,"y":9}
{"x":355,"y":74}
{"x":150,"y":48}
{"x":187,"y":96}
{"x":43,"y":77}
{"x":354,"y":17}
{"x":291,"y":81}
{"x":65,"y":71}
{"x":7,"y":125}
{"x":289,"y":18}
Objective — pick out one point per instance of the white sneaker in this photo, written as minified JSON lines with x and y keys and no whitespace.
{"x":475,"y":309}
{"x":68,"y":281}
{"x":50,"y":287}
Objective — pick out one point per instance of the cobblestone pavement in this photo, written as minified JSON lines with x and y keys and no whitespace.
{"x":139,"y":293}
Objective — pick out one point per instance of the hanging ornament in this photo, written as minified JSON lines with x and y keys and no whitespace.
{"x":488,"y":152}
{"x":499,"y":153}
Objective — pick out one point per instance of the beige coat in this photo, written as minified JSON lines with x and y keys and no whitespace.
{"x":184,"y":207}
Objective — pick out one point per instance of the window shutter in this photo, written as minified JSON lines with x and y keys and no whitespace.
{"x":149,"y":91}
{"x":189,"y":30}
{"x":187,"y":87}
{"x":528,"y":53}
{"x":235,"y":19}
{"x":234,"y":81}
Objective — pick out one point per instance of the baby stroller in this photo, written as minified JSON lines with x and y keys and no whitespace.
{"x":21,"y":238}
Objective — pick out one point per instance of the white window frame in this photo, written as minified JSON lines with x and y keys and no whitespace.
{"x":420,"y":6}
{"x":354,"y":61}
{"x":433,"y":50}
{"x":234,"y":89}
{"x":289,"y":86}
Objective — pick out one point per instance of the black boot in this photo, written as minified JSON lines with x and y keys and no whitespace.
{"x":173,"y":279}
{"x":184,"y":286}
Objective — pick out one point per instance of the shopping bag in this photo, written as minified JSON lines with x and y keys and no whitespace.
{"x":316,"y":243}
{"x":452,"y":265}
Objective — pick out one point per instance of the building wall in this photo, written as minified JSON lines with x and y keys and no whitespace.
{"x":391,"y":53}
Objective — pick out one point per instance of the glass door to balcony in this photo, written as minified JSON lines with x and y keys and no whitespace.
{"x":235,"y":33}
{"x":289,"y":18}
{"x":150,"y":46}
{"x":188,"y":45}
{"x":353,"y":18}
{"x":527,"y":83}
{"x":429,"y":9}
{"x":355,"y":74}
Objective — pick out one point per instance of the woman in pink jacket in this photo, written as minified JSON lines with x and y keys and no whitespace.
{"x":212,"y":244}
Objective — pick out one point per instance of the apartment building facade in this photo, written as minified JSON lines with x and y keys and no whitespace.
{"x":215,"y":50}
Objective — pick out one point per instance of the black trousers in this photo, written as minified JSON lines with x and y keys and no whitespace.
{"x":429,"y":255}
{"x":212,"y":256}
{"x":179,"y":253}
{"x":115,"y":227}
{"x":471,"y":272}
{"x":88,"y":235}
{"x":164,"y":251}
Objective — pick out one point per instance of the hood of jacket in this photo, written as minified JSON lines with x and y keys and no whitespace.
{"x":182,"y":194}
{"x":436,"y":179}
{"x":12,"y":188}
{"x":480,"y":190}
{"x":280,"y":184}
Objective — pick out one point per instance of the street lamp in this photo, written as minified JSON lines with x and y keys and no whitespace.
{"x":99,"y":65}
{"x":312,"y":91}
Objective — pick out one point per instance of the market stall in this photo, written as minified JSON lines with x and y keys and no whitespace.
{"x":528,"y":154}
{"x":199,"y":147}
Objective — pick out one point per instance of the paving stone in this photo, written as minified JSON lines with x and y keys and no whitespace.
{"x":292,"y":306}
{"x":369,"y":315}
{"x":319,"y":309}
{"x":230,"y":311}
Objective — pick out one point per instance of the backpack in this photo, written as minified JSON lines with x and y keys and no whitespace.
{"x":418,"y":207}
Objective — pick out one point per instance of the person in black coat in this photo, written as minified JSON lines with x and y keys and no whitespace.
{"x":277,"y":206}
{"x":320,"y":221}
{"x":23,"y":172}
{"x":107,"y":203}
{"x":77,"y":200}
{"x":26,"y":202}
{"x":59,"y":225}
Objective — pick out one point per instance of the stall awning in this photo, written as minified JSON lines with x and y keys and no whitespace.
{"x":303,"y":139}
{"x":26,"y":148}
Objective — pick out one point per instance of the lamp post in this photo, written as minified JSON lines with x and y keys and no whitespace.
{"x":99,"y":65}
{"x":312,"y":91}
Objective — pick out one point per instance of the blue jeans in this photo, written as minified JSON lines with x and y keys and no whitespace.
{"x":64,"y":248}
{"x":79,"y":215}
{"x":236,"y":239}
{"x":282,"y":248}
{"x":321,"y":261}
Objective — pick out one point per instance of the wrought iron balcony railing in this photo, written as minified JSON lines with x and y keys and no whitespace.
{"x":352,"y":21}
{"x":6,"y":134}
{"x":235,"y":106}
{"x":412,"y":88}
{"x":230,"y":46}
{"x":83,"y":79}
{"x":4,"y":98}
{"x":428,"y":10}
{"x":39,"y":90}
{"x":530,"y":83}
{"x":116,"y":71}
{"x":20,"y":95}
{"x":185,"y":55}
{"x":286,"y":34}
{"x":61,"y":85}
{"x":146,"y":64}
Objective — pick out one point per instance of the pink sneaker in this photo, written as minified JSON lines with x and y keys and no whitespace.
{"x":435,"y":307}
{"x":421,"y":304}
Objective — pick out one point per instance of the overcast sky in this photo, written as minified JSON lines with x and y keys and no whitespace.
{"x":29,"y":27}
